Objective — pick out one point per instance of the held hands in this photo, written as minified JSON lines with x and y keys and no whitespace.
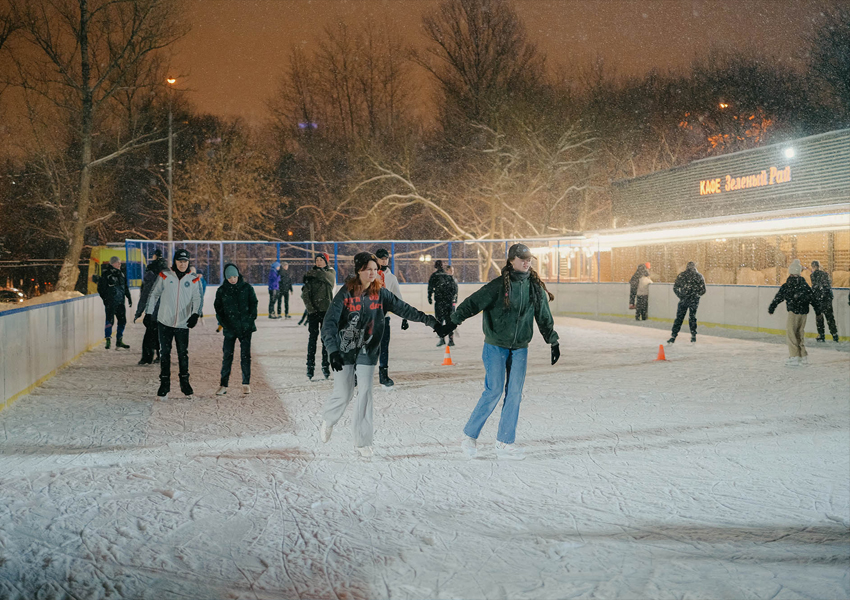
{"x":443,"y":330}
{"x":336,"y":361}
{"x":556,"y":353}
{"x":404,"y":324}
{"x":193,"y":320}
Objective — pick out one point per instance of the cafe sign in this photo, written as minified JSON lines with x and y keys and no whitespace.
{"x":729,"y":183}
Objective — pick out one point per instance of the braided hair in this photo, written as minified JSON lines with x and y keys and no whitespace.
{"x":537,"y":285}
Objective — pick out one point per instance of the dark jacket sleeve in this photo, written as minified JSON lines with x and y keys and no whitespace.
{"x":218,"y":305}
{"x":101,"y":286}
{"x":306,"y":292}
{"x":330,"y":325}
{"x":701,"y":285}
{"x":252,"y":302}
{"x":454,"y":290}
{"x":778,"y":299}
{"x":126,"y":288}
{"x":396,"y":305}
{"x":431,"y":282}
{"x":480,"y":300}
{"x":147,"y":284}
{"x":545,"y":322}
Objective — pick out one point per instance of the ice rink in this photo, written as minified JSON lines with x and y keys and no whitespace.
{"x":719,"y":474}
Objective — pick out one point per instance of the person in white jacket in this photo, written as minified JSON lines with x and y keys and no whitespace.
{"x":642,"y":298}
{"x":179,"y":294}
{"x":391,"y":283}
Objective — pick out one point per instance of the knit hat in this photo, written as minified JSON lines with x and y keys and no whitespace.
{"x":275,"y":265}
{"x":361,"y":259}
{"x":181,"y":254}
{"x":157,"y":253}
{"x":519,"y":251}
{"x":795,"y":268}
{"x":230,"y":271}
{"x":325,"y":257}
{"x":382,"y":253}
{"x":114,"y":260}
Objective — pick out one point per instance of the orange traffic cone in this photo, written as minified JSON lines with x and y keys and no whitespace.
{"x":660,"y":353}
{"x":448,"y":359}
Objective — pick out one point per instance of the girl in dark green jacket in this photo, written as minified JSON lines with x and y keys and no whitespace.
{"x":511,"y":304}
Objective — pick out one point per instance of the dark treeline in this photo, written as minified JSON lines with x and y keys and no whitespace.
{"x":510,"y":149}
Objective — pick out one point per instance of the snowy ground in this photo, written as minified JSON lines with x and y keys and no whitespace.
{"x":719,"y":474}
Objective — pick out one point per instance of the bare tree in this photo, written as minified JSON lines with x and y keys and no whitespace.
{"x":75,"y":58}
{"x":829,"y":60}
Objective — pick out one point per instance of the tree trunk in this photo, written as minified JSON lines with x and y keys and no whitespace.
{"x":70,"y":267}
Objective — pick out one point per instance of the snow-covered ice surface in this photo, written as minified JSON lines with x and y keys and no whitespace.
{"x":719,"y":474}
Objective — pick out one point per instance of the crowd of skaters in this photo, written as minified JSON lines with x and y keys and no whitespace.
{"x":353,"y":326}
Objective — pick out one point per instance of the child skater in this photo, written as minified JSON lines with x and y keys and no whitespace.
{"x":511,"y":304}
{"x":236,"y":310}
{"x":352,"y":332}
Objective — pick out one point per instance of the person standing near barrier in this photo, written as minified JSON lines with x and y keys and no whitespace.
{"x":112,"y":288}
{"x":797,"y":295}
{"x":442,"y":290}
{"x":317,"y":294}
{"x":689,"y":287}
{"x":511,"y":304}
{"x":390,"y":282}
{"x":641,"y":271}
{"x":179,"y":296}
{"x":822,"y":296}
{"x":642,"y":298}
{"x":150,"y":343}
{"x":352,"y":333}
{"x":236,"y":310}
{"x":284,"y":290}
{"x":274,"y":290}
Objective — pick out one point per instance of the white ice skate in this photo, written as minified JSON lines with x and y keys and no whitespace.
{"x":509,"y":451}
{"x":365,"y":451}
{"x":792,"y":362}
{"x":804,"y":360}
{"x":469,"y":446}
{"x":221,"y":391}
{"x":326,"y":431}
{"x":246,"y":389}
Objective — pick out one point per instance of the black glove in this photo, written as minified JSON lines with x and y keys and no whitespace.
{"x":131,"y":302}
{"x":404,"y":324}
{"x":336,"y":361}
{"x":445,"y":329}
{"x":429,"y":301}
{"x":770,"y":311}
{"x":193,"y":320}
{"x":148,"y":320}
{"x":556,"y":353}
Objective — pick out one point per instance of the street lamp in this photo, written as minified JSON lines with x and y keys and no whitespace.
{"x":171,"y":81}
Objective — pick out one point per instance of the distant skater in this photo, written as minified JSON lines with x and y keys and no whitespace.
{"x":642,"y":298}
{"x":352,"y":332}
{"x":113,"y":290}
{"x":689,"y":288}
{"x":511,"y":305}
{"x":822,"y":302}
{"x":150,"y":343}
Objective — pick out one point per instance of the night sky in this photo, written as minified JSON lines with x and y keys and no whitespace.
{"x":237,"y":49}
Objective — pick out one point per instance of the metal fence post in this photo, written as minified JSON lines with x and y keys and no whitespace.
{"x":336,"y":266}
{"x":220,"y":263}
{"x":392,"y":256}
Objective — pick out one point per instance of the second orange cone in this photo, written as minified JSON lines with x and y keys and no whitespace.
{"x":660,"y":353}
{"x":448,"y":359}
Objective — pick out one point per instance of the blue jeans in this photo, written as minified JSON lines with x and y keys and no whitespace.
{"x":505,"y":371}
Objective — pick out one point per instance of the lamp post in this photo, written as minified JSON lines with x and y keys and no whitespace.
{"x":171,"y":81}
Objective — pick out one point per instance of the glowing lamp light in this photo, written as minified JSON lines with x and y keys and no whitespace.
{"x":723,"y":105}
{"x":789,"y":153}
{"x":171,"y":80}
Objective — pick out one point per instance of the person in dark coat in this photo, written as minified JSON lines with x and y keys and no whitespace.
{"x":352,"y":332}
{"x":641,"y":271}
{"x":284,"y":290}
{"x":112,"y":288}
{"x":689,"y":287}
{"x":150,"y":343}
{"x":236,"y":310}
{"x":797,"y":295}
{"x":512,"y":304}
{"x":822,"y":296}
{"x":317,"y":294}
{"x":442,"y":292}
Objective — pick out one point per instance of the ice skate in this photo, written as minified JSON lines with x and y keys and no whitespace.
{"x":119,"y":343}
{"x":384,"y":377}
{"x":185,"y":387}
{"x":803,"y":361}
{"x":451,"y":342}
{"x":509,"y":452}
{"x":672,"y":340}
{"x":365,"y":451}
{"x":442,"y":342}
{"x":325,"y":431}
{"x":222,"y":390}
{"x":108,"y":343}
{"x":164,"y":388}
{"x":246,"y":389}
{"x":835,"y":337}
{"x":821,"y":338}
{"x":326,"y":371}
{"x":469,"y":446}
{"x":693,"y":338}
{"x":792,"y":362}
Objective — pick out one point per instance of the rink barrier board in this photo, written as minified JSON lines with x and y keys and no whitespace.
{"x":724,"y":306}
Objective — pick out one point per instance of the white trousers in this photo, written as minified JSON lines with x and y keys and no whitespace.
{"x":337,"y":402}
